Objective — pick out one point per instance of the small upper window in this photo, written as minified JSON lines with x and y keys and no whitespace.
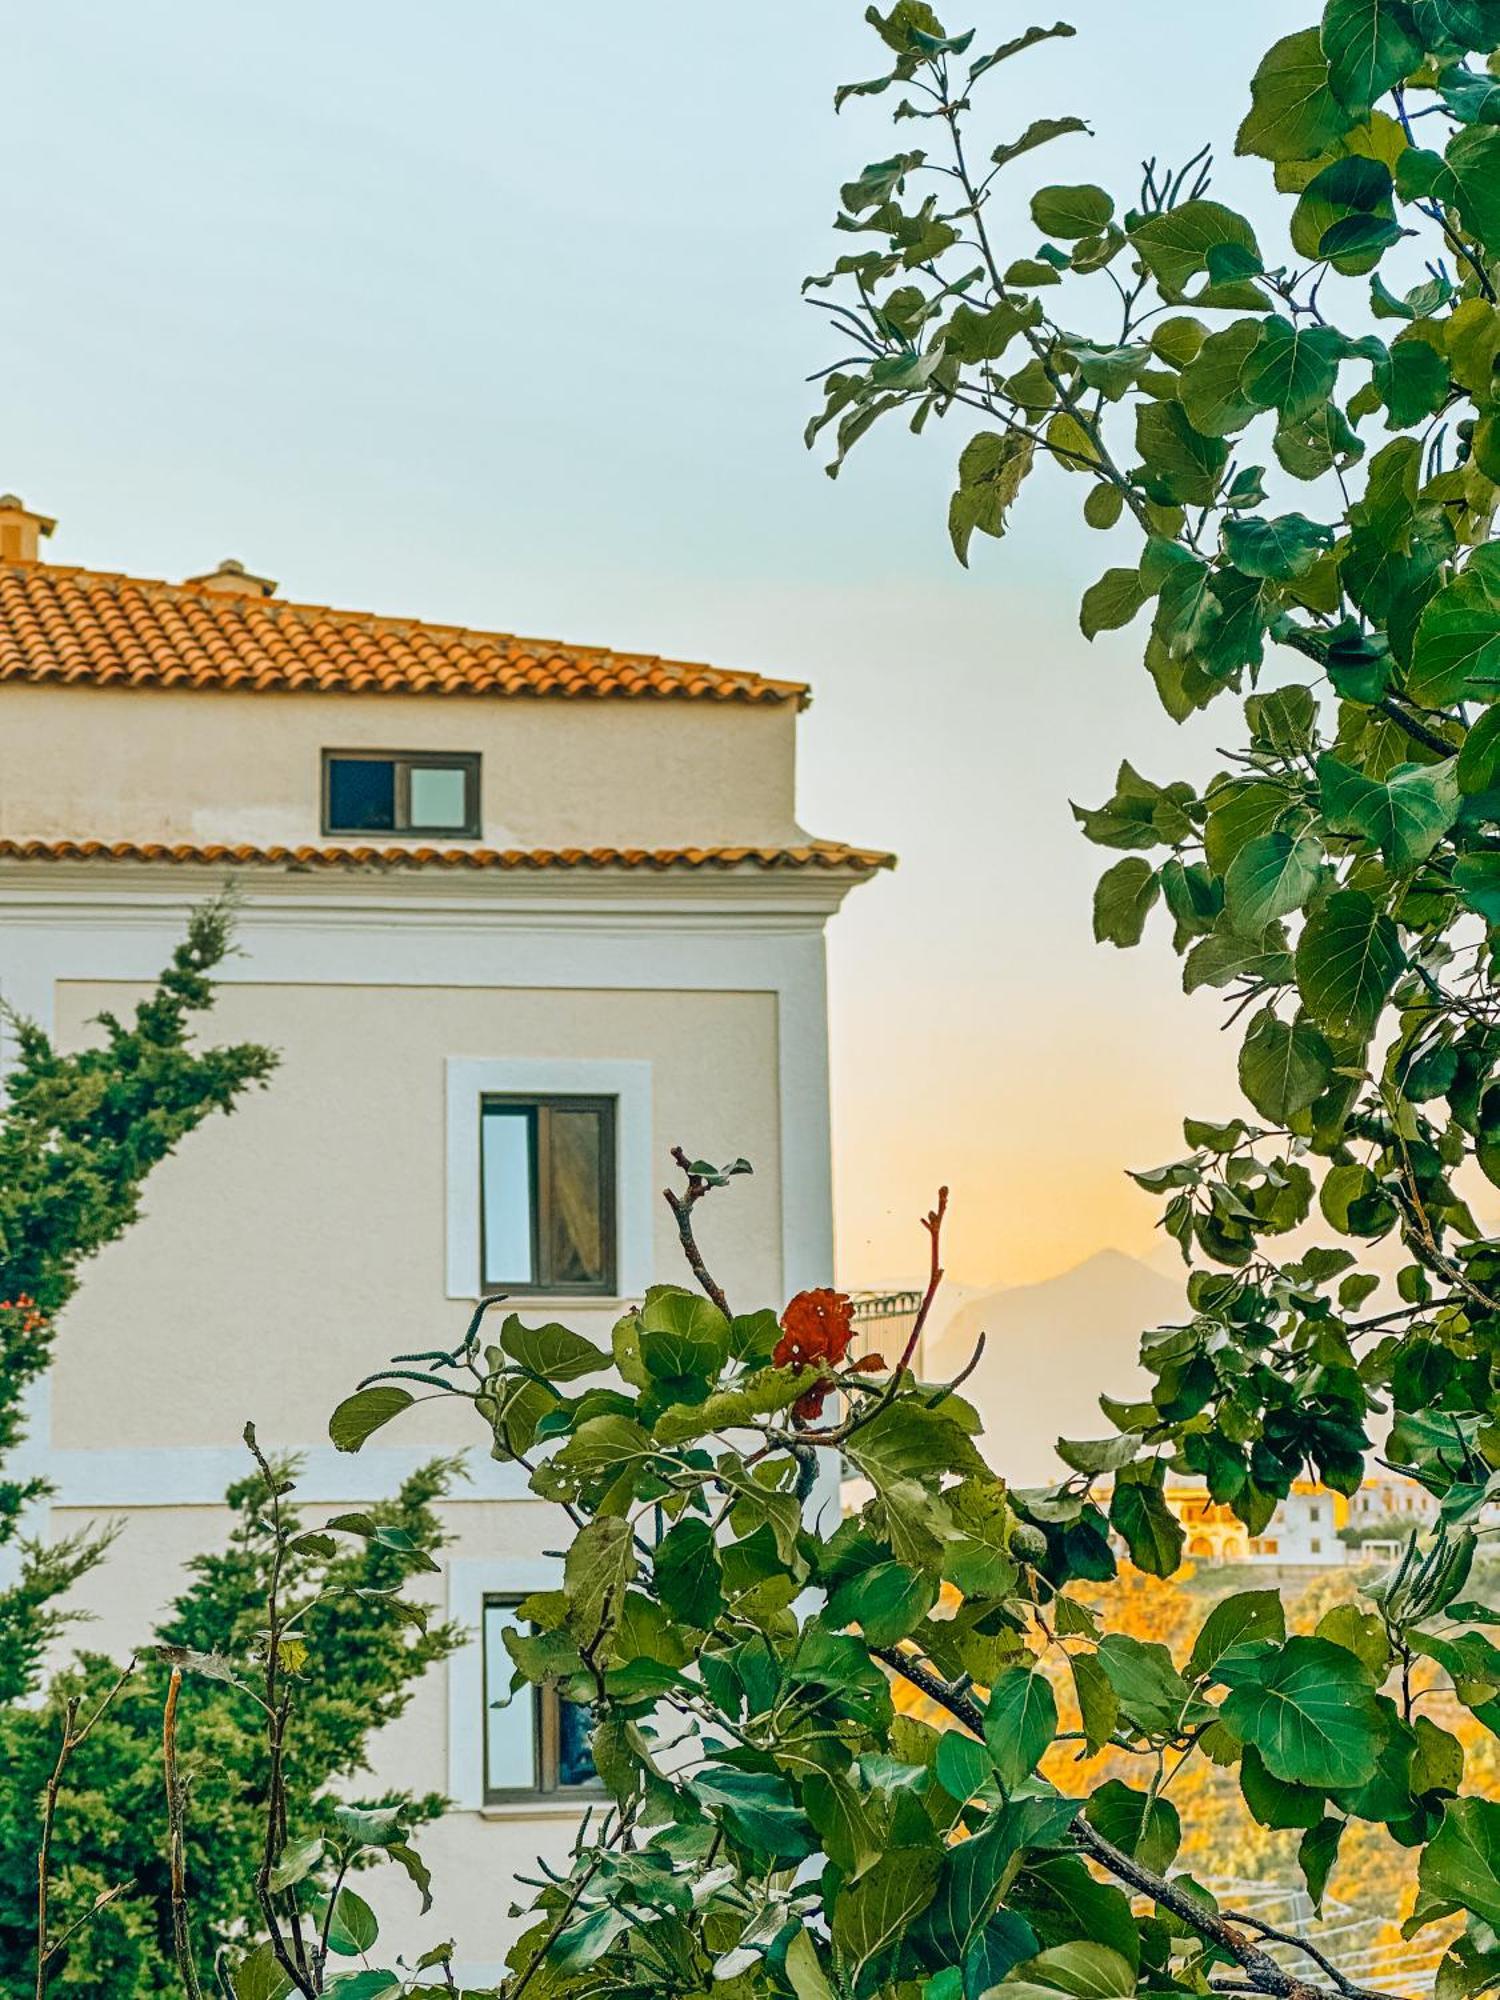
{"x":408,"y":791}
{"x":547,"y":1194}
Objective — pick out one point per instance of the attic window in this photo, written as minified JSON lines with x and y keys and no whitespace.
{"x":408,"y":791}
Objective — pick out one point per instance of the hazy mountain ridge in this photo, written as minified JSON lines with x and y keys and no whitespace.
{"x":1050,"y":1348}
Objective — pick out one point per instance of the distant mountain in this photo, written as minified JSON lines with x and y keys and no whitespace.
{"x":1049,"y":1350}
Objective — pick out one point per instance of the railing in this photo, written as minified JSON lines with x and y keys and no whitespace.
{"x":882,"y":1324}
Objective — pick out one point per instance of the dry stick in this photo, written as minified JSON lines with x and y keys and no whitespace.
{"x":44,"y":1848}
{"x":1220,"y":1927}
{"x":182,"y":1944}
{"x":682,"y":1206}
{"x":47,"y":1949}
{"x":278,"y":1713}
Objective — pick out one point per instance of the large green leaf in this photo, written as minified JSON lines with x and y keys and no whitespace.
{"x":871,"y":1918}
{"x":259,"y":1977}
{"x":1466,"y":176}
{"x":1370,"y":44}
{"x":1348,"y":958}
{"x":1284,"y":1066}
{"x":1082,"y":1968}
{"x":1020,"y":1720}
{"x":1123,"y":899}
{"x":1458,"y":24}
{"x":683,"y":1336}
{"x":689,"y":1574}
{"x":1405,"y":817}
{"x":975,"y":1875}
{"x":1146,"y":1827}
{"x":554,"y":1352}
{"x":1111,"y":602}
{"x":962,"y":1764}
{"x":1150,"y":1691}
{"x":1175,"y":245}
{"x":1460,"y":1866}
{"x":1280,"y":548}
{"x":1179,"y":461}
{"x":1240,"y":1620}
{"x":360,"y":1415}
{"x":353,"y":1928}
{"x":1071,"y":212}
{"x":1139,"y":1512}
{"x":886,"y":1601}
{"x":1294,"y":366}
{"x":600,"y":1563}
{"x":758,"y":1809}
{"x":1477,"y":879}
{"x":1293,"y":114}
{"x":840,"y":1812}
{"x":1270,"y":877}
{"x":1309,"y":1709}
{"x":1456,"y":655}
{"x":1346,"y":214}
{"x":1211,"y":386}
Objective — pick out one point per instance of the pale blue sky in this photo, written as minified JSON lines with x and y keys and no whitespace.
{"x":490,"y":314}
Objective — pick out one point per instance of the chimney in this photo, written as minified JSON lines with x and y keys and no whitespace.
{"x":232,"y":579}
{"x":20,"y":530}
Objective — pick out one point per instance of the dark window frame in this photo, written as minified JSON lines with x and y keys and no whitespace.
{"x":404,"y":762}
{"x":539,"y":1106}
{"x":546,"y":1728}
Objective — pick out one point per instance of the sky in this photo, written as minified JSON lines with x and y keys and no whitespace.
{"x":490,"y":314}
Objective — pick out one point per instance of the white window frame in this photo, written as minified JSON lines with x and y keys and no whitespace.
{"x":470,"y":1079}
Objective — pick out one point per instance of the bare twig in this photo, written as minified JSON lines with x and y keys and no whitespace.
{"x":292,"y":1958}
{"x":47,"y":1947}
{"x":682,"y":1206}
{"x":182,"y":1943}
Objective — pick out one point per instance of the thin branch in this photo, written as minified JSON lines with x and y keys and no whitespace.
{"x":682,"y":1206}
{"x":182,"y":1943}
{"x":293,"y":1960}
{"x":48,"y":1947}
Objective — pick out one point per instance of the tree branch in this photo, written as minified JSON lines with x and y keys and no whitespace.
{"x":682,"y":1206}
{"x":182,"y":1943}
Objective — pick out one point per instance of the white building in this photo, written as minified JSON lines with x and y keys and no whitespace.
{"x":519,"y":916}
{"x":1311,"y":1528}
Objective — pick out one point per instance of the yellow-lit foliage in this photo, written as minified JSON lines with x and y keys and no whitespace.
{"x":1373,"y":1877}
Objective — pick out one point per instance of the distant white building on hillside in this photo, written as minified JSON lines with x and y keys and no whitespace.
{"x":1312,"y":1528}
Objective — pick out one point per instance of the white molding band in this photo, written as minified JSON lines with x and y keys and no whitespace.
{"x":470,"y":1581}
{"x":629,"y":1083}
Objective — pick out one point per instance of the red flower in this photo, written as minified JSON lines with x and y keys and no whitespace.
{"x":816,"y":1326}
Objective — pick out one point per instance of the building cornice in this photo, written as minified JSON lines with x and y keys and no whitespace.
{"x":125,"y":892}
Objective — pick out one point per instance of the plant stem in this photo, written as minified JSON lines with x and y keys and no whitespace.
{"x":182,"y":1943}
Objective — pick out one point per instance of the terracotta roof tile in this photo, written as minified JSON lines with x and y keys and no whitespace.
{"x":78,"y":626}
{"x":823,"y":854}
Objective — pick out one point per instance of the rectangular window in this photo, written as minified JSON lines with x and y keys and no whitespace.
{"x":547,"y":1195}
{"x":1315,"y":1513}
{"x":1315,"y":1546}
{"x":408,"y":791}
{"x":536,"y":1745}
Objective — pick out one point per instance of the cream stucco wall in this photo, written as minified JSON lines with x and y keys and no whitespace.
{"x":291,"y":1248}
{"x":175,"y":765}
